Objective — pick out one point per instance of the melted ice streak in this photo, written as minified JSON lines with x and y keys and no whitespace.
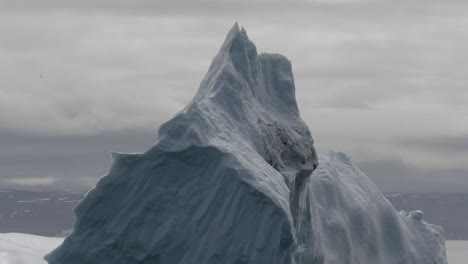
{"x":229,"y":181}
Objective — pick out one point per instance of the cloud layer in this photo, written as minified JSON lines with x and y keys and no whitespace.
{"x":384,"y":81}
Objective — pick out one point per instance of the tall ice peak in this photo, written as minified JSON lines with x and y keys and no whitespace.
{"x":246,"y":101}
{"x":239,"y":71}
{"x":236,"y":33}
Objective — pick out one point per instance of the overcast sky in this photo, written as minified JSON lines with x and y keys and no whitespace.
{"x":383,"y":81}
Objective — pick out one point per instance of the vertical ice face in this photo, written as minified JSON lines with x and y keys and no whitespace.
{"x":229,"y":181}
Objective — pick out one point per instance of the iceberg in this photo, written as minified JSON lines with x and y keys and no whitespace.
{"x":234,"y":178}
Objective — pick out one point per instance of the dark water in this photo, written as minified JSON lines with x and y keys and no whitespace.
{"x":50,"y":213}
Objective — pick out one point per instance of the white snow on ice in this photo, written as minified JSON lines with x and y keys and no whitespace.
{"x":25,"y":249}
{"x":457,"y":251}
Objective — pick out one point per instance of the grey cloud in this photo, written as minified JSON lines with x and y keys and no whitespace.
{"x":395,"y":175}
{"x":145,"y":7}
{"x":49,"y":161}
{"x":371,"y":8}
{"x":445,"y":145}
{"x":380,"y":80}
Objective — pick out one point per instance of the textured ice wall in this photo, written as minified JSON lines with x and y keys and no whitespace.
{"x":352,"y":222}
{"x":228,"y":181}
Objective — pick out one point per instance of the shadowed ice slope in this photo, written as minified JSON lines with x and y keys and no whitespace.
{"x":352,"y":222}
{"x":228,"y":181}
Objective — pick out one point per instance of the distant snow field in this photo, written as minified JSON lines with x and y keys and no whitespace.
{"x":457,"y":251}
{"x":29,"y":249}
{"x":25,"y":249}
